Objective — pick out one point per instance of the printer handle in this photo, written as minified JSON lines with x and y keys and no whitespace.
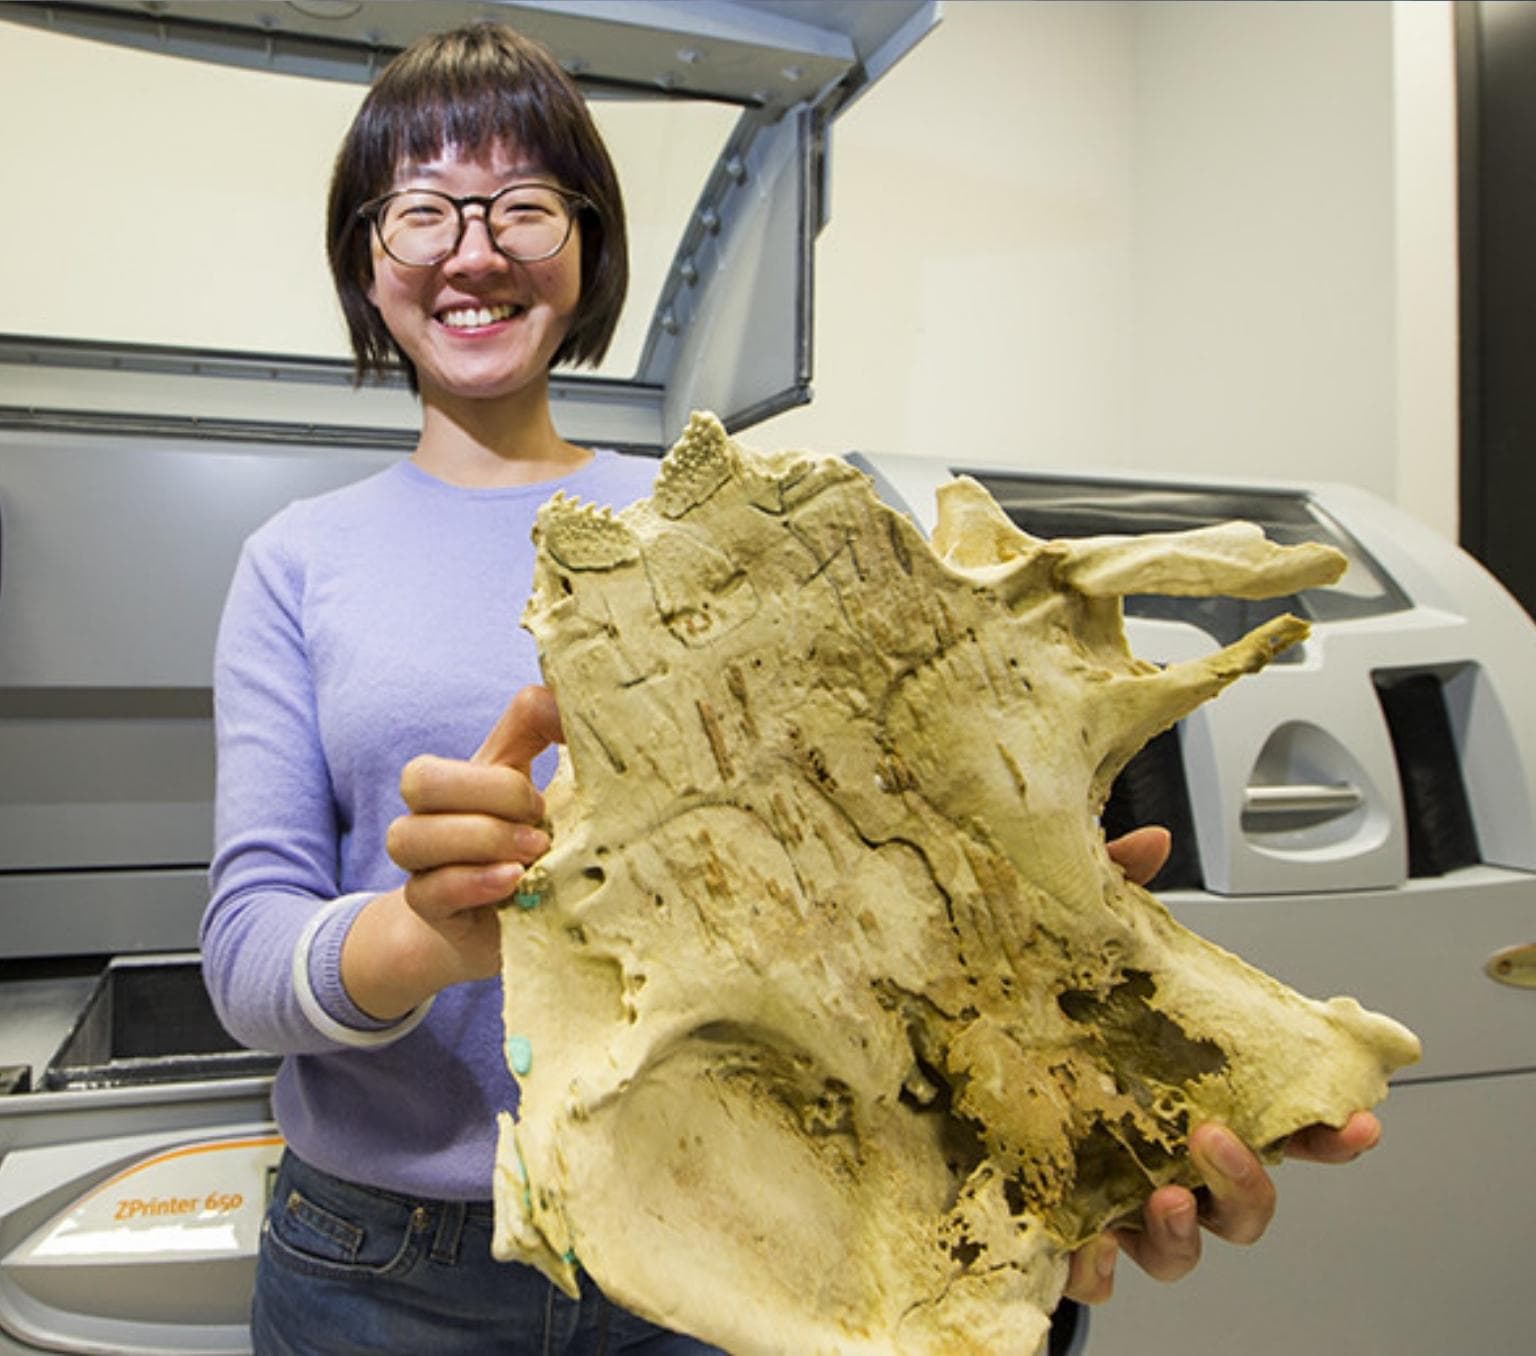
{"x":1330,"y":801}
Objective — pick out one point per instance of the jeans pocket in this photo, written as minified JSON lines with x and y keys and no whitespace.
{"x":321,"y":1225}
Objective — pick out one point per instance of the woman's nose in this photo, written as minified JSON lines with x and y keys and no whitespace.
{"x":475,"y":251}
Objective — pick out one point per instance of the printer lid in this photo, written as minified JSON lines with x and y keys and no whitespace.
{"x":730,"y":328}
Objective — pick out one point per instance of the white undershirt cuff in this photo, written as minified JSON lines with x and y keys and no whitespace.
{"x":309,"y":1004}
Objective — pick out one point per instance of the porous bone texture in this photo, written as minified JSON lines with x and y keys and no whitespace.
{"x":837,"y":1029}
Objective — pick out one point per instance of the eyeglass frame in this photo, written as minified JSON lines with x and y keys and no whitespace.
{"x":373,"y":210}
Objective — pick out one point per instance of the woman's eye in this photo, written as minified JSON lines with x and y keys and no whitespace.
{"x":417,"y":211}
{"x":522,"y":206}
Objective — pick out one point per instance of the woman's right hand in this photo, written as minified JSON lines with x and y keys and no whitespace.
{"x":470,"y":831}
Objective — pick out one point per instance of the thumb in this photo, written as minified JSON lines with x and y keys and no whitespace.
{"x":1141,"y":852}
{"x":528,"y":726}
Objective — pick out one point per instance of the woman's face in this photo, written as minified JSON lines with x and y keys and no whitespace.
{"x":478,"y":326}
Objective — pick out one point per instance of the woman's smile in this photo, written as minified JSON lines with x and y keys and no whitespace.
{"x":477,"y":317}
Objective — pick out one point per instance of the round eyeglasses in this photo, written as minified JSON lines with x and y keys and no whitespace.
{"x":419,"y":227}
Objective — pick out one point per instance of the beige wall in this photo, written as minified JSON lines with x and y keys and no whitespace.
{"x":1195,"y":236}
{"x":95,"y":132}
{"x":974,"y":286}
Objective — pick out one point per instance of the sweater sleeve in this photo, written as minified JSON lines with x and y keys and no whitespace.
{"x":274,"y":888}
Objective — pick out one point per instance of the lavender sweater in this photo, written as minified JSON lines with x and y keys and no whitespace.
{"x":364,"y":627}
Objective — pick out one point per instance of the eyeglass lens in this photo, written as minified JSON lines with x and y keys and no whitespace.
{"x":527,"y":222}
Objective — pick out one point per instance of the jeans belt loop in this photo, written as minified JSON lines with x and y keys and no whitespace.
{"x":450,"y":1229}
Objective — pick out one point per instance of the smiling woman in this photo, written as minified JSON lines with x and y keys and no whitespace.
{"x":476,"y":235}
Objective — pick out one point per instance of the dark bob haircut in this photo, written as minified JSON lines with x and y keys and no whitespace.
{"x":469,"y":90}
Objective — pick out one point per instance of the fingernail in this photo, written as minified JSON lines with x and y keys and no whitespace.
{"x":1104,"y":1263}
{"x":1182,"y":1223}
{"x":532,"y":842}
{"x":1227,"y":1155}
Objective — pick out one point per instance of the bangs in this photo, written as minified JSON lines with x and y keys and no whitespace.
{"x":474,"y":90}
{"x":472,"y":123}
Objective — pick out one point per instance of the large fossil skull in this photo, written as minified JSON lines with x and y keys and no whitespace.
{"x":836,"y":1026}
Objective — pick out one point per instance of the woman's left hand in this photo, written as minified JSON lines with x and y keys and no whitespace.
{"x":1239,"y":1202}
{"x":1238,"y":1196}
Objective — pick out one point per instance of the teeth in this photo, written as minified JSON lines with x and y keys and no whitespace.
{"x":467,"y":317}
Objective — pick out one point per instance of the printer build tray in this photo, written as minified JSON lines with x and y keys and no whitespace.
{"x":149,"y":1020}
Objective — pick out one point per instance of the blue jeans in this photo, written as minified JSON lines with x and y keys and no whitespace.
{"x":346,"y":1270}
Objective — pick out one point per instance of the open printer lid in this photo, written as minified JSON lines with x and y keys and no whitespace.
{"x":731,"y":328}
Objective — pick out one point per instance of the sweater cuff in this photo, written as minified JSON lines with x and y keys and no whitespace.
{"x":317,"y":981}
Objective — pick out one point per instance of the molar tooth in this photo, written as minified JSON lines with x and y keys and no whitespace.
{"x":701,"y":462}
{"x":582,"y":537}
